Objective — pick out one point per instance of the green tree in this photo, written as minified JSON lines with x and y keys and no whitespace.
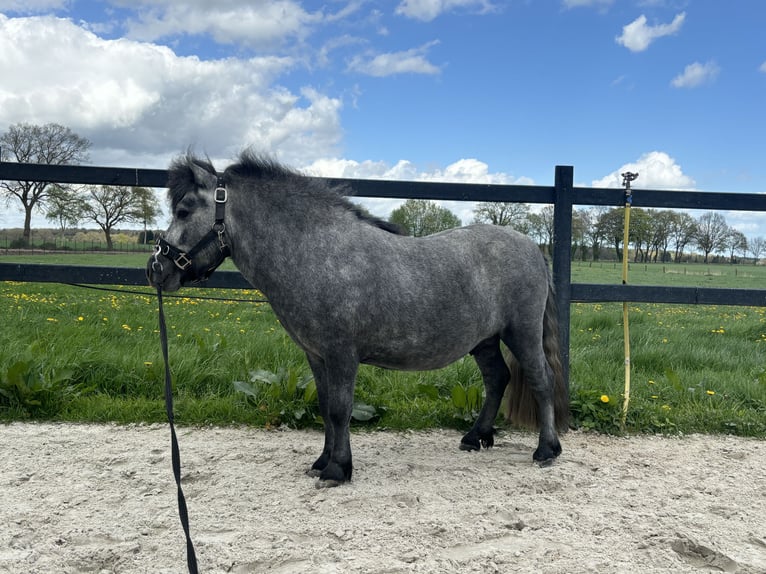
{"x":110,"y":205}
{"x":420,"y":217}
{"x":580,"y":224}
{"x":640,"y":232}
{"x":63,"y":207}
{"x":683,"y":229}
{"x":611,"y":225}
{"x":51,"y":144}
{"x":661,"y":222}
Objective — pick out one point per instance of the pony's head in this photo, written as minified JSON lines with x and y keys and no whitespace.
{"x":195,"y":243}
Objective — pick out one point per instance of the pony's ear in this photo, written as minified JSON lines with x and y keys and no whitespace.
{"x":202,"y":177}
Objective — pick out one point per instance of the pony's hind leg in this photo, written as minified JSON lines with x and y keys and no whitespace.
{"x":495,"y":373}
{"x":538,"y":377}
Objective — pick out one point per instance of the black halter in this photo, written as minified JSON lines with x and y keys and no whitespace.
{"x":184,"y":260}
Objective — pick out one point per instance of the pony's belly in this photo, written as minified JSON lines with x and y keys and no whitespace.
{"x":414,"y":362}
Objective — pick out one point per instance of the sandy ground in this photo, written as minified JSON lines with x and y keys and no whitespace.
{"x":87,"y":498}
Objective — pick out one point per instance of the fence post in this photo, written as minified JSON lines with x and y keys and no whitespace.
{"x":562,"y":255}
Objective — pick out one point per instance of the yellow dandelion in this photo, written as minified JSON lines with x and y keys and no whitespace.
{"x":81,"y":318}
{"x":711,"y":393}
{"x":604,"y":398}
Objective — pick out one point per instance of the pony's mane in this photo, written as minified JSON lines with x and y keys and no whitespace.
{"x":252,"y":165}
{"x":181,"y":176}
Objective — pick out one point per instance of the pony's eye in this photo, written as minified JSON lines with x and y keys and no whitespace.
{"x":182,"y":214}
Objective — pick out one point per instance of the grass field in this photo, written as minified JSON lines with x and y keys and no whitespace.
{"x":88,"y":355}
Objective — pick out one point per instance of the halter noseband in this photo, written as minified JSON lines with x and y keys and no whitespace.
{"x":185,"y":259}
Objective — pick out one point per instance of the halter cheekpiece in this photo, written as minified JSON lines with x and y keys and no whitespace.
{"x":185,"y":259}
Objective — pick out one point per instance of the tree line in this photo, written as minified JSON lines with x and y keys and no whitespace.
{"x":655,"y":235}
{"x":69,"y":205}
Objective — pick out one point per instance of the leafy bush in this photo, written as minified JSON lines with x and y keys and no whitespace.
{"x":290,"y":398}
{"x":26,"y":388}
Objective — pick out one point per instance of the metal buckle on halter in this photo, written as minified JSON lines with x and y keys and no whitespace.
{"x":220,"y":195}
{"x":182,"y":261}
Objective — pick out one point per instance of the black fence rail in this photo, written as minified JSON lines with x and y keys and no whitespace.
{"x":562,"y":195}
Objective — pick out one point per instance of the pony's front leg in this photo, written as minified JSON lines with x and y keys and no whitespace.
{"x":318,"y":370}
{"x":335,"y":389}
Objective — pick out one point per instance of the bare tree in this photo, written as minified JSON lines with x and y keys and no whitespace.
{"x":712,"y":233}
{"x":541,"y":226}
{"x":756,"y":247}
{"x":51,"y":144}
{"x":736,"y":242}
{"x":593,"y":234}
{"x":110,"y":205}
{"x":503,"y":213}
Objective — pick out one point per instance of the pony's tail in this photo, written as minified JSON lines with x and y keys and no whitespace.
{"x":521,"y":406}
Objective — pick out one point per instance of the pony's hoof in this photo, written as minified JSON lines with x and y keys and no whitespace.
{"x":328,"y":483}
{"x":469,"y":446}
{"x":545,"y":455}
{"x":314,"y":472}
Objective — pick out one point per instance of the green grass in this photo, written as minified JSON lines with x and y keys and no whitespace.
{"x":672,"y":274}
{"x":74,"y":354}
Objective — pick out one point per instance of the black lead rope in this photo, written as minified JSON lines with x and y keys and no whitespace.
{"x":191,"y":557}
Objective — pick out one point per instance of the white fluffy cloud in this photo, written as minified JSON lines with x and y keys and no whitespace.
{"x":763,"y":68}
{"x":696,"y":74}
{"x":427,"y":10}
{"x":255,"y":24}
{"x":412,"y":61}
{"x":637,"y":35}
{"x":135,"y":96}
{"x":656,"y":169}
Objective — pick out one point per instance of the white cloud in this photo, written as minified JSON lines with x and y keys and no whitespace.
{"x":696,"y":74}
{"x":31,"y":6}
{"x":139,"y":99}
{"x":255,"y":24}
{"x":656,"y":170}
{"x":763,"y":68}
{"x":637,"y":36}
{"x":602,"y":4}
{"x":427,"y":10}
{"x":462,"y":171}
{"x":412,"y":61}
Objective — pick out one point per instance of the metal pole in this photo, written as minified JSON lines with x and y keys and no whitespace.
{"x":627,"y":177}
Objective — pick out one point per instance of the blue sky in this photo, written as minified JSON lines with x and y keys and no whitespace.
{"x":455,"y":90}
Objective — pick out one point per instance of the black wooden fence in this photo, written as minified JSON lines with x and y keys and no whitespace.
{"x":563,"y":195}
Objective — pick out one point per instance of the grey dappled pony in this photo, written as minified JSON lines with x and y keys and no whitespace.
{"x":350,"y":289}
